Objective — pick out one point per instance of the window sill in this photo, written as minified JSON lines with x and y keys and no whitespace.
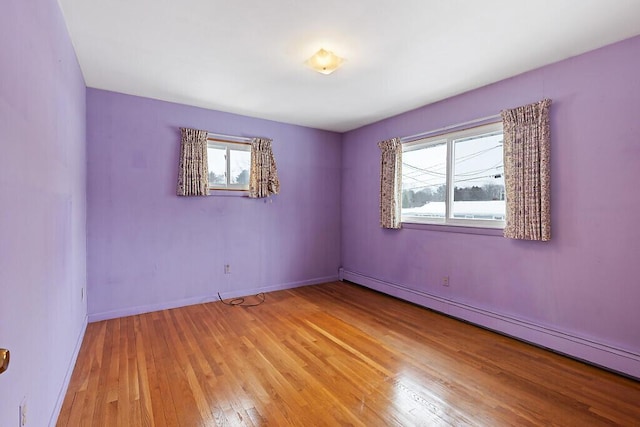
{"x":448,"y":228}
{"x":228,"y":193}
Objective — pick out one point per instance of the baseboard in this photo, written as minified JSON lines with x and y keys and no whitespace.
{"x":131,"y":311}
{"x":67,"y":378}
{"x":600,"y":354}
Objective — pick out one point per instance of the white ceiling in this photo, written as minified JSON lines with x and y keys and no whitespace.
{"x":247,"y":56}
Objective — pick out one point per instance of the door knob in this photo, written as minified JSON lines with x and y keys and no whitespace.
{"x":4,"y":359}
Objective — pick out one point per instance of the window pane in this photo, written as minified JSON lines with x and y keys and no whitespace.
{"x":478,"y":178}
{"x":424,"y":180}
{"x":240,"y":163}
{"x":217,"y":162}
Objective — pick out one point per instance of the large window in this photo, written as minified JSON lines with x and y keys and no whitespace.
{"x":455,"y":179}
{"x":229,"y":165}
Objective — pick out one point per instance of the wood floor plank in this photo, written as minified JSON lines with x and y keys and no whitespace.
{"x":325,"y":355}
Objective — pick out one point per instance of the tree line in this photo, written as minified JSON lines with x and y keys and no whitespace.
{"x":242,"y":178}
{"x":415,"y":199}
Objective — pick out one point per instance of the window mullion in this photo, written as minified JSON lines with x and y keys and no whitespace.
{"x":228,"y":166}
{"x":449,"y":181}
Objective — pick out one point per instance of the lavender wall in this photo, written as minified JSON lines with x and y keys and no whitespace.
{"x":42,"y":209}
{"x":150,"y":249}
{"x":578,"y":293}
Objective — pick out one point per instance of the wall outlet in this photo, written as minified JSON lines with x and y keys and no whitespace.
{"x":23,"y":412}
{"x":445,"y":280}
{"x":227,"y":269}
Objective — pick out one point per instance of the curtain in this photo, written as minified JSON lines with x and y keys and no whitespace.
{"x":390,"y":183}
{"x":263,"y":179}
{"x":527,"y":147}
{"x":193,"y":177}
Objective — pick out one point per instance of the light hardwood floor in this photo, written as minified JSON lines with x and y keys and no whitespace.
{"x":331,"y":354}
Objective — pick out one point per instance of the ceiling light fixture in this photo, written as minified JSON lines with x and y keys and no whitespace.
{"x":324,"y":61}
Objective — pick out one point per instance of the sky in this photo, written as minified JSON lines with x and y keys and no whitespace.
{"x":478,"y":161}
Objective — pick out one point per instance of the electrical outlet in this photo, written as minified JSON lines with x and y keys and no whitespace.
{"x":23,"y":412}
{"x":445,"y":280}
{"x":227,"y":269}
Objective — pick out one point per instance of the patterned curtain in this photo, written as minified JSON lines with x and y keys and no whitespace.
{"x":527,"y":168}
{"x":390,"y":183}
{"x":193,"y":177}
{"x":263,"y":180}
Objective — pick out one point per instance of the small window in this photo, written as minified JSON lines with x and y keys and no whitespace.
{"x":455,"y":179}
{"x":229,"y":165}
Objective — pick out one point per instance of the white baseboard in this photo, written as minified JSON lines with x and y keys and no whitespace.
{"x":600,"y":354}
{"x":130,"y":311}
{"x":67,"y":378}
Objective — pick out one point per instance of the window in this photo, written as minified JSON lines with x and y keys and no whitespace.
{"x":229,"y":164}
{"x":455,"y":179}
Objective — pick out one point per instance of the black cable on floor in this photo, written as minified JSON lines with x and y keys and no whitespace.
{"x":241,"y":301}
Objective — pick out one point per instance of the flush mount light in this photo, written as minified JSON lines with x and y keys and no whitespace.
{"x":324,"y":61}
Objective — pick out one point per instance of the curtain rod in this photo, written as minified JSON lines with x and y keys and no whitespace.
{"x":422,"y":135}
{"x":231,"y":138}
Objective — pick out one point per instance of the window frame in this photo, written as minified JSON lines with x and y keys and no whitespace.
{"x":228,"y":145}
{"x":449,"y":138}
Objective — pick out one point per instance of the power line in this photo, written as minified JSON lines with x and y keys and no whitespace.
{"x":431,"y":172}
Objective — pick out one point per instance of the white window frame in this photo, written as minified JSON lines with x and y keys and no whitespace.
{"x":229,"y":145}
{"x":450,"y":138}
